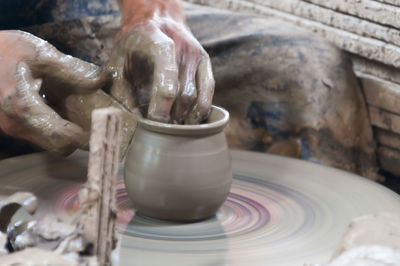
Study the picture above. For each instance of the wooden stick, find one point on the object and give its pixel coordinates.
(98, 197)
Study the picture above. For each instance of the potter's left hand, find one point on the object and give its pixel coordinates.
(31, 69)
(158, 64)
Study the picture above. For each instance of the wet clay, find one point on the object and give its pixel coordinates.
(90, 237)
(27, 64)
(10, 205)
(169, 75)
(37, 256)
(180, 83)
(370, 240)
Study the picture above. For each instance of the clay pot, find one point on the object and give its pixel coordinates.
(179, 172)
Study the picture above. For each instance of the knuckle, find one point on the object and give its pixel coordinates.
(7, 104)
(212, 88)
(204, 55)
(208, 86)
(165, 44)
(169, 43)
(168, 94)
(188, 99)
(194, 50)
(203, 108)
(211, 83)
(166, 51)
(189, 95)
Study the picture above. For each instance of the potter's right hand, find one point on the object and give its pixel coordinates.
(158, 64)
(29, 65)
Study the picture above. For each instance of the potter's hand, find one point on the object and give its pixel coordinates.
(159, 65)
(29, 66)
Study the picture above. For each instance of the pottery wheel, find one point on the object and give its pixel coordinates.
(280, 211)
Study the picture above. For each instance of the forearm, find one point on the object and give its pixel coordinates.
(136, 12)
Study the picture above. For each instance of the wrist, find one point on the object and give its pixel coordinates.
(139, 12)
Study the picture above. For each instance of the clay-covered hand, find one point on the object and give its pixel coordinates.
(159, 66)
(29, 68)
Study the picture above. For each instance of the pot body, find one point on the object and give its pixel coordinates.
(178, 177)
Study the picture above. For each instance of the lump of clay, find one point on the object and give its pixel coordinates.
(79, 107)
(21, 235)
(36, 256)
(370, 240)
(368, 256)
(3, 243)
(381, 229)
(10, 205)
(53, 228)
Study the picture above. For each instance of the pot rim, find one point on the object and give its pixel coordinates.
(201, 129)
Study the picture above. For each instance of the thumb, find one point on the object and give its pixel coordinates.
(31, 119)
(67, 72)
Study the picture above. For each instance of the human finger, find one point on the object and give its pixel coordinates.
(187, 89)
(205, 84)
(129, 65)
(67, 72)
(55, 67)
(165, 80)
